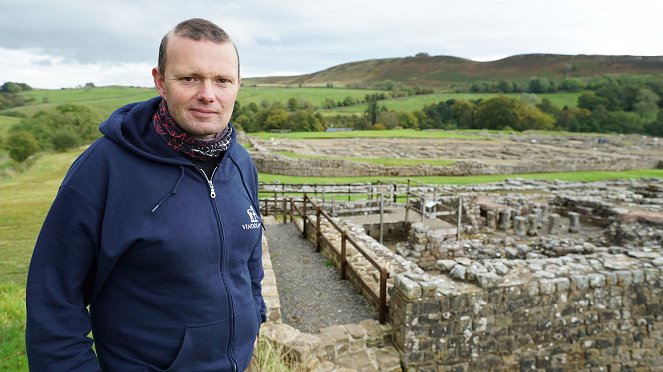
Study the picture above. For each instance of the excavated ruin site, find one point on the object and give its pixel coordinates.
(516, 275)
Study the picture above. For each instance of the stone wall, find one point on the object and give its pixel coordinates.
(577, 322)
(278, 164)
(548, 292)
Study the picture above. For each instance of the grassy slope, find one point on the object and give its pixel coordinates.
(25, 200)
(5, 123)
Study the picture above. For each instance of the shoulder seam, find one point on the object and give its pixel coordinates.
(83, 198)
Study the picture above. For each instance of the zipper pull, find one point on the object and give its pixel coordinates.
(212, 193)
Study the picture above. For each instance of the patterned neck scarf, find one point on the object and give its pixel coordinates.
(181, 141)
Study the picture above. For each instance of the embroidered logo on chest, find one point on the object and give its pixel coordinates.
(255, 221)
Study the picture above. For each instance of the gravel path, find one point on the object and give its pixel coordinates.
(311, 293)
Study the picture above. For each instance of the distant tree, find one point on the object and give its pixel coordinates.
(504, 86)
(547, 107)
(646, 104)
(328, 103)
(574, 119)
(439, 114)
(505, 112)
(12, 87)
(497, 113)
(463, 113)
(21, 145)
(655, 128)
(292, 104)
(306, 120)
(277, 118)
(349, 101)
(408, 120)
(572, 84)
(530, 117)
(373, 108)
(388, 118)
(539, 85)
(618, 122)
(590, 101)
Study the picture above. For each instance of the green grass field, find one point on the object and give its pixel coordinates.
(466, 180)
(106, 99)
(413, 103)
(315, 96)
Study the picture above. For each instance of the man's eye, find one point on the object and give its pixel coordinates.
(188, 79)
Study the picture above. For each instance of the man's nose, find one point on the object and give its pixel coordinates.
(206, 91)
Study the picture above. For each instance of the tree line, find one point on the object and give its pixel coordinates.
(613, 106)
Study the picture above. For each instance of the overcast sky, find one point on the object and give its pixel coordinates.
(66, 43)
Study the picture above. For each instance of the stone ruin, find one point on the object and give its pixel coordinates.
(547, 275)
(502, 154)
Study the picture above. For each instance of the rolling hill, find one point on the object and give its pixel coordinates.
(445, 71)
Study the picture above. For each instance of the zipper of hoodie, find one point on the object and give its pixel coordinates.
(212, 194)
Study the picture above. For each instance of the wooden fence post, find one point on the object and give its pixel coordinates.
(318, 234)
(292, 210)
(382, 312)
(344, 261)
(284, 210)
(305, 220)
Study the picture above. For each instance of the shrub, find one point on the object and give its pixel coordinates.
(21, 145)
(64, 139)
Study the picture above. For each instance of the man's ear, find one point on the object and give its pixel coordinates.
(159, 83)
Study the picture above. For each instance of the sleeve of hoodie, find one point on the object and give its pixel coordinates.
(255, 260)
(59, 284)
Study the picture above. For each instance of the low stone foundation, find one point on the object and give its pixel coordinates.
(517, 154)
(606, 318)
(570, 278)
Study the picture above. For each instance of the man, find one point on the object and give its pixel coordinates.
(156, 227)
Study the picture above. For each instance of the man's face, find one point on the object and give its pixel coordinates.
(200, 83)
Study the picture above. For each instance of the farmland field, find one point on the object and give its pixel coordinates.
(105, 99)
(412, 103)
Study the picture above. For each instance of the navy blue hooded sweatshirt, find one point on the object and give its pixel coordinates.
(168, 260)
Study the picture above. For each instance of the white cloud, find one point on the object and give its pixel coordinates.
(40, 70)
(116, 41)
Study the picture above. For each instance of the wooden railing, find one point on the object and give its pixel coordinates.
(434, 212)
(379, 298)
